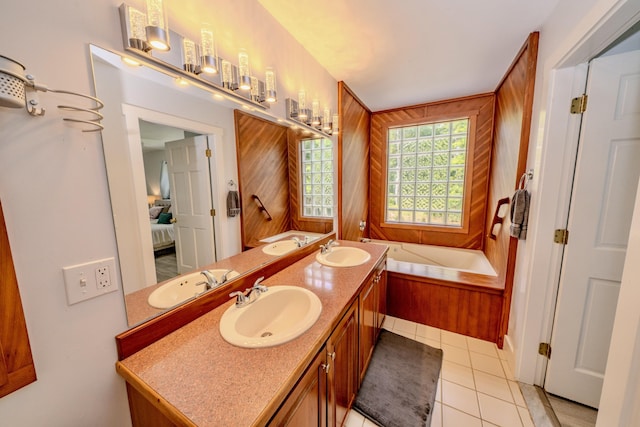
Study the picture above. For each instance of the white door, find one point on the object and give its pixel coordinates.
(605, 183)
(191, 202)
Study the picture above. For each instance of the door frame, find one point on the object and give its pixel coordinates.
(539, 261)
(130, 206)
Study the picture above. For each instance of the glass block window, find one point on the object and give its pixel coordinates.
(317, 177)
(426, 167)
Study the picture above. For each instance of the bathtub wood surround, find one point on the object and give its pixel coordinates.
(139, 337)
(514, 105)
(16, 362)
(353, 165)
(480, 109)
(229, 385)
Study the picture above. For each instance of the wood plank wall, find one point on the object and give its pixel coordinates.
(353, 164)
(16, 362)
(263, 170)
(481, 106)
(514, 104)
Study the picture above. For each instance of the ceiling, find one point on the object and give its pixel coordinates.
(395, 53)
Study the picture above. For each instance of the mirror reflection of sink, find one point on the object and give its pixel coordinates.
(343, 256)
(279, 248)
(276, 317)
(184, 287)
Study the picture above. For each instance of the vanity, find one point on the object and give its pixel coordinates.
(193, 377)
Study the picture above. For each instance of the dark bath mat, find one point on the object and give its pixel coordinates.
(399, 388)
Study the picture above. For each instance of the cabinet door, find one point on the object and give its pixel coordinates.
(382, 295)
(368, 324)
(343, 375)
(306, 406)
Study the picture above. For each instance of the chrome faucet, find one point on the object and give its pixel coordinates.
(300, 243)
(326, 248)
(211, 282)
(252, 294)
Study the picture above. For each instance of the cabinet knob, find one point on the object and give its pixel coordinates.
(326, 367)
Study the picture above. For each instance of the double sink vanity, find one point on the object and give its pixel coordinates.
(290, 349)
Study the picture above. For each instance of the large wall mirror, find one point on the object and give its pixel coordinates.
(173, 154)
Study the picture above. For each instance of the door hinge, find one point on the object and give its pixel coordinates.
(207, 152)
(545, 349)
(579, 104)
(561, 236)
(213, 212)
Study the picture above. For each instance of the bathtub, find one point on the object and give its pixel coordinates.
(466, 260)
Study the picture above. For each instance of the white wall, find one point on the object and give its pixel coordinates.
(576, 31)
(54, 194)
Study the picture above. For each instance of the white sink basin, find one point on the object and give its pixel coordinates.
(184, 287)
(279, 248)
(343, 256)
(277, 316)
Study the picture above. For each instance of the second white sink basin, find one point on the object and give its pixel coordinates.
(277, 316)
(279, 248)
(343, 256)
(184, 287)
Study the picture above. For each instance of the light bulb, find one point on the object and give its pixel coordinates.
(270, 83)
(209, 60)
(157, 30)
(243, 70)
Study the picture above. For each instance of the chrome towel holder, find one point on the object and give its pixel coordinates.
(18, 90)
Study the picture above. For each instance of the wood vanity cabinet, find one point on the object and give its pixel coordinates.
(373, 303)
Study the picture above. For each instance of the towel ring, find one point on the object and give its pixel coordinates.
(524, 179)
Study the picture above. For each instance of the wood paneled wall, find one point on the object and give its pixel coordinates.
(480, 106)
(353, 164)
(16, 363)
(263, 170)
(514, 103)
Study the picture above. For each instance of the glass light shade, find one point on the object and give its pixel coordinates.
(255, 88)
(189, 56)
(334, 123)
(157, 31)
(326, 119)
(270, 85)
(226, 73)
(209, 60)
(302, 104)
(315, 112)
(137, 24)
(243, 70)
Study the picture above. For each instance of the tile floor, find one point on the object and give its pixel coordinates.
(476, 387)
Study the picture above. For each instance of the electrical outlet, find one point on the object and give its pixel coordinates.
(89, 280)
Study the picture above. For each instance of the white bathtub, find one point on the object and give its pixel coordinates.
(467, 260)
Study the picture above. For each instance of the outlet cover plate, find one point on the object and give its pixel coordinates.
(89, 280)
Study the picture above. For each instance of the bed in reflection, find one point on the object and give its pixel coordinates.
(160, 217)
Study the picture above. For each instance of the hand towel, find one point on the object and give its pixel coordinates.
(233, 203)
(519, 214)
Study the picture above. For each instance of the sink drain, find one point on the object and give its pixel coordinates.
(266, 334)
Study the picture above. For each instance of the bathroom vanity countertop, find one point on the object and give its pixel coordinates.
(139, 310)
(202, 380)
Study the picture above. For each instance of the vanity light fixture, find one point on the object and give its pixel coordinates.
(227, 78)
(157, 29)
(270, 84)
(302, 106)
(243, 70)
(209, 60)
(257, 90)
(326, 119)
(315, 113)
(334, 124)
(190, 56)
(138, 23)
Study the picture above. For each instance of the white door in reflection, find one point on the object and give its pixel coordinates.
(189, 162)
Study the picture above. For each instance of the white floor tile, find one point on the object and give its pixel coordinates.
(354, 419)
(487, 364)
(454, 339)
(517, 394)
(498, 411)
(401, 326)
(436, 417)
(429, 342)
(502, 354)
(388, 322)
(368, 423)
(455, 373)
(525, 417)
(507, 370)
(488, 424)
(439, 391)
(451, 417)
(492, 385)
(483, 347)
(461, 398)
(428, 332)
(456, 355)
(405, 334)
